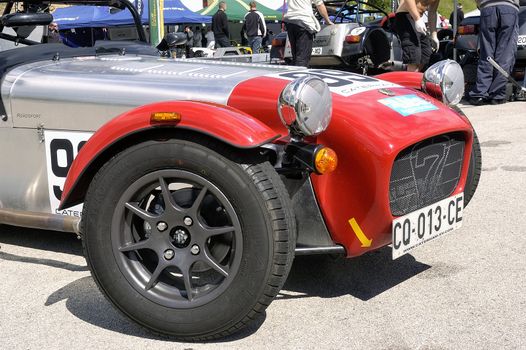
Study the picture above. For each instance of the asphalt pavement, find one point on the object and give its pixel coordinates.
(465, 290)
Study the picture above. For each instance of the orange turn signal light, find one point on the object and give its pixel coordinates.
(165, 117)
(352, 39)
(325, 160)
(278, 42)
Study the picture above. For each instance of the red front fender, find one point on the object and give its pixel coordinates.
(224, 123)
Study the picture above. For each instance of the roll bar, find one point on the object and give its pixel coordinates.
(121, 4)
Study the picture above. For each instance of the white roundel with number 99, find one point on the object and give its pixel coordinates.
(61, 149)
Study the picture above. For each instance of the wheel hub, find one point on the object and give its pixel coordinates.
(189, 244)
(180, 237)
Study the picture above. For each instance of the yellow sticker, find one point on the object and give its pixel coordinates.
(366, 242)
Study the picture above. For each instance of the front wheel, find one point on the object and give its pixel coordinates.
(185, 241)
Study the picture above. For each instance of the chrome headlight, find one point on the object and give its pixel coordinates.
(445, 81)
(305, 106)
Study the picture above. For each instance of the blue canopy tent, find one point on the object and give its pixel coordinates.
(175, 12)
(100, 16)
(79, 16)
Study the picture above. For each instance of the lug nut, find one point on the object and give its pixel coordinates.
(169, 254)
(195, 249)
(147, 229)
(162, 226)
(188, 221)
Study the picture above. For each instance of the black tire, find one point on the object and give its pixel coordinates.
(255, 254)
(474, 170)
(444, 34)
(470, 77)
(448, 50)
(509, 92)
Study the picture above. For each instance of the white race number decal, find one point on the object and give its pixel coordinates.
(358, 31)
(61, 149)
(521, 41)
(339, 82)
(316, 51)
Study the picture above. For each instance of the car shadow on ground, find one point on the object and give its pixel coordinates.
(85, 301)
(60, 242)
(40, 261)
(363, 277)
(82, 296)
(311, 276)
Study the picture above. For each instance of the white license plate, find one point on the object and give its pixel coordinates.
(316, 50)
(521, 40)
(423, 225)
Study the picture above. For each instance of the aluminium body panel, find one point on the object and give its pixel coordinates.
(23, 171)
(85, 92)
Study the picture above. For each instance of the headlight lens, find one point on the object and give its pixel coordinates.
(305, 106)
(444, 80)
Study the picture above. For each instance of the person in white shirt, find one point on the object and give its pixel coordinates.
(302, 25)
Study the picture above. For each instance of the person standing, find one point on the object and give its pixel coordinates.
(417, 45)
(255, 27)
(210, 39)
(499, 31)
(220, 26)
(460, 15)
(189, 42)
(198, 37)
(53, 36)
(301, 26)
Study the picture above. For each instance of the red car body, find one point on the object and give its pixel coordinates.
(358, 188)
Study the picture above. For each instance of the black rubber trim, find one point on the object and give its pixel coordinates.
(336, 249)
(64, 203)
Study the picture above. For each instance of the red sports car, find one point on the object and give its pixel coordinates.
(193, 184)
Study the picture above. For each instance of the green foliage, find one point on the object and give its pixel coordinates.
(444, 8)
(384, 4)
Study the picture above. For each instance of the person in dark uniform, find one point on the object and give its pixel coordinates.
(460, 15)
(53, 35)
(499, 30)
(220, 26)
(189, 41)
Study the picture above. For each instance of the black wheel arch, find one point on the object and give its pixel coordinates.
(474, 170)
(230, 151)
(475, 163)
